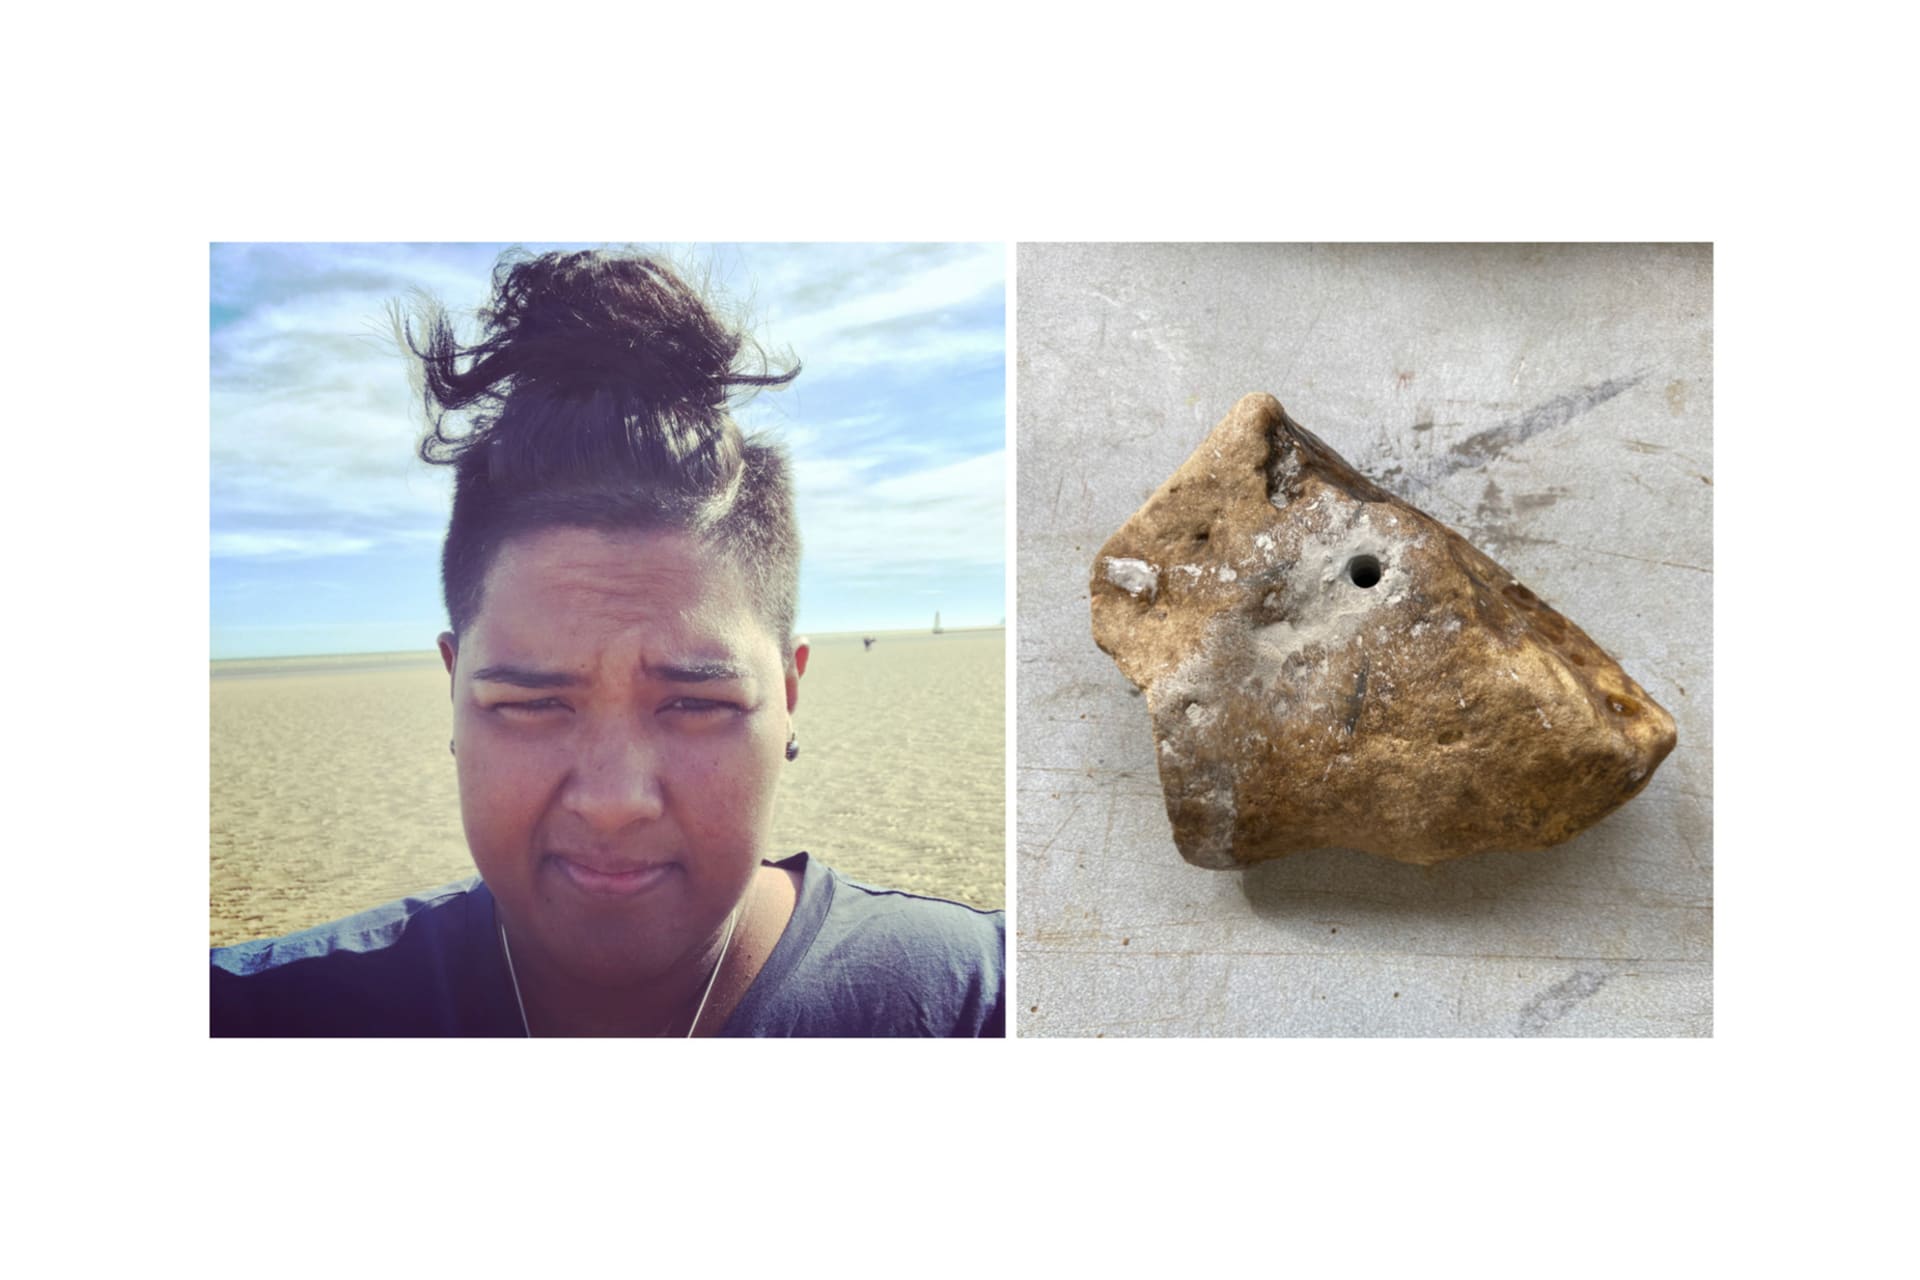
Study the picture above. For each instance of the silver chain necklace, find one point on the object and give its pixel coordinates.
(699, 1009)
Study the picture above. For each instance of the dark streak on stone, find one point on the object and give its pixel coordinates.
(1558, 1000)
(1357, 699)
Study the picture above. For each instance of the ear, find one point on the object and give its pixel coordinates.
(795, 670)
(449, 651)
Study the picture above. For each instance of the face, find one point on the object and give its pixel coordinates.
(620, 721)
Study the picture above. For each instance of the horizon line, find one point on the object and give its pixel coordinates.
(798, 635)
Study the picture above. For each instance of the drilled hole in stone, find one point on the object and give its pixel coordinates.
(1363, 571)
(1449, 737)
(1200, 536)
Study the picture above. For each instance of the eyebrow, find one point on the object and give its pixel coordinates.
(526, 677)
(697, 672)
(678, 673)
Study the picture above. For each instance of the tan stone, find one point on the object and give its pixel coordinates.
(1327, 666)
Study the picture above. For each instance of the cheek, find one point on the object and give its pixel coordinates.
(503, 792)
(724, 791)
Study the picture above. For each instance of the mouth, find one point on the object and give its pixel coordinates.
(612, 879)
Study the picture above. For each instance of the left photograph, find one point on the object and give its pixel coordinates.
(607, 640)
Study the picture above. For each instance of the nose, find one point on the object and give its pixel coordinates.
(616, 778)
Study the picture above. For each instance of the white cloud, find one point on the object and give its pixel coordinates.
(287, 546)
(952, 514)
(900, 317)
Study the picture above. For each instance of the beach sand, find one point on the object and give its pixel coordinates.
(333, 790)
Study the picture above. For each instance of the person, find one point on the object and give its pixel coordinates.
(620, 572)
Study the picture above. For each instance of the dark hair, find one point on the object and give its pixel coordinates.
(599, 398)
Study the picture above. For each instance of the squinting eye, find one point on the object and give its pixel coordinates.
(700, 707)
(530, 708)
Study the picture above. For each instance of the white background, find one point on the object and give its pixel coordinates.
(136, 140)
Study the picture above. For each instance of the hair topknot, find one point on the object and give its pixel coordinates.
(589, 361)
(598, 396)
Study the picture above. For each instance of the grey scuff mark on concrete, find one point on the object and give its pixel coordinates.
(1483, 446)
(1557, 1001)
(1527, 502)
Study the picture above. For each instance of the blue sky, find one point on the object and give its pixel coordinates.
(325, 527)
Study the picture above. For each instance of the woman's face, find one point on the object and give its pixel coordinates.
(620, 719)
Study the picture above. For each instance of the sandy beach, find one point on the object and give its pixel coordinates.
(333, 791)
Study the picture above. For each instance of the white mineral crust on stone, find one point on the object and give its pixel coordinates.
(1135, 577)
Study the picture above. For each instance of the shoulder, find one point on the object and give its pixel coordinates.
(884, 924)
(379, 971)
(369, 932)
(864, 961)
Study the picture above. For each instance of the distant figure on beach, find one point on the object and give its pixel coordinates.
(867, 641)
(936, 622)
(620, 572)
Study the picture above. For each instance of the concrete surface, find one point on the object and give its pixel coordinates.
(1554, 405)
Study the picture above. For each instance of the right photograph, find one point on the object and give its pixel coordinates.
(1365, 647)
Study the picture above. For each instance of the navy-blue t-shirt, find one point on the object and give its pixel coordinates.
(854, 961)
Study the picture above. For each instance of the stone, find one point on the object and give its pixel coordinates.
(1327, 666)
